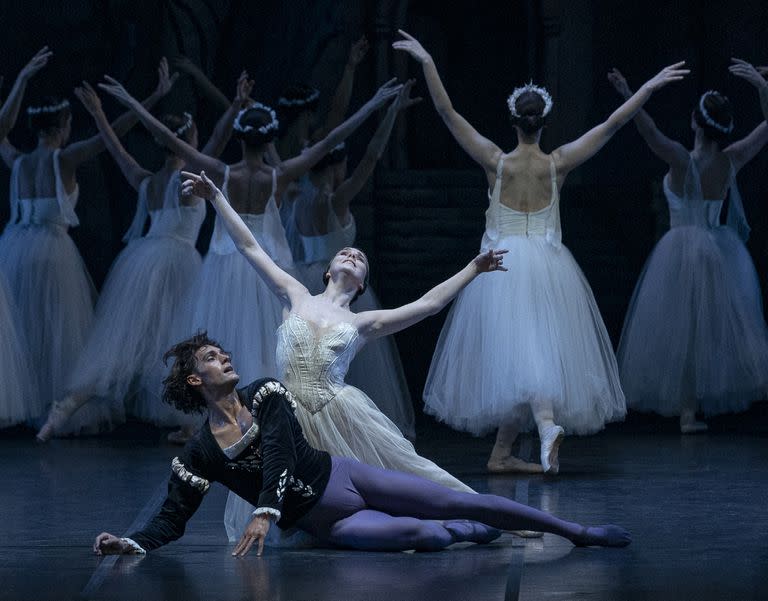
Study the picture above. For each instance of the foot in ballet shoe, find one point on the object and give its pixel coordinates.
(468, 531)
(527, 533)
(608, 535)
(551, 438)
(57, 417)
(692, 427)
(506, 465)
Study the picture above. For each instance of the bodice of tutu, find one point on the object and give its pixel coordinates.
(182, 223)
(313, 361)
(685, 212)
(41, 211)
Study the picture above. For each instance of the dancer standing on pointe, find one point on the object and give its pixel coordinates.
(148, 281)
(533, 339)
(694, 337)
(253, 444)
(18, 387)
(323, 225)
(47, 276)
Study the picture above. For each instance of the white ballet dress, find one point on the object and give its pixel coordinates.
(530, 335)
(141, 295)
(51, 287)
(694, 333)
(335, 417)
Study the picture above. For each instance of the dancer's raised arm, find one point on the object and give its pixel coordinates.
(480, 148)
(10, 110)
(573, 154)
(282, 284)
(293, 168)
(673, 153)
(744, 150)
(222, 132)
(373, 324)
(205, 85)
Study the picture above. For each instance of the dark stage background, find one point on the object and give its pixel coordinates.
(422, 217)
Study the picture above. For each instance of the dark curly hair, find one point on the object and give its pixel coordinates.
(327, 277)
(176, 391)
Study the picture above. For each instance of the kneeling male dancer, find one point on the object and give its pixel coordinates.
(253, 444)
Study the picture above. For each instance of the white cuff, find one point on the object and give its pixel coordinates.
(136, 548)
(269, 511)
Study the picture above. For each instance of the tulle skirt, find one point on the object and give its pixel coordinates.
(142, 295)
(54, 296)
(17, 393)
(376, 369)
(526, 338)
(694, 331)
(352, 426)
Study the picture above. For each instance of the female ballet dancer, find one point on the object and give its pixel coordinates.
(253, 187)
(533, 338)
(18, 389)
(324, 225)
(148, 281)
(694, 336)
(47, 276)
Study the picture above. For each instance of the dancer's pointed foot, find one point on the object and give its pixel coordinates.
(551, 438)
(690, 425)
(470, 531)
(57, 417)
(527, 533)
(607, 535)
(511, 464)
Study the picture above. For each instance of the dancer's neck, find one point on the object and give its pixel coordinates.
(223, 408)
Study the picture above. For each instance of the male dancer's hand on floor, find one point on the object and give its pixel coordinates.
(255, 531)
(109, 544)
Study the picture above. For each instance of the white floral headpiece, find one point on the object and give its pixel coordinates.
(274, 124)
(726, 129)
(185, 127)
(529, 87)
(52, 108)
(283, 101)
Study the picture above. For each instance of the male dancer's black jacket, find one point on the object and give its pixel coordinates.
(276, 470)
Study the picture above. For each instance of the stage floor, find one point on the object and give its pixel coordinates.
(696, 507)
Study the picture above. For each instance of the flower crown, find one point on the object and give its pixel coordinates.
(726, 129)
(314, 95)
(274, 124)
(186, 126)
(51, 108)
(529, 87)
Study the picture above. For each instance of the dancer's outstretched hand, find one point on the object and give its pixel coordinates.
(358, 51)
(90, 99)
(386, 92)
(116, 89)
(243, 90)
(37, 62)
(667, 75)
(109, 544)
(256, 531)
(165, 80)
(404, 100)
(198, 185)
(412, 46)
(493, 260)
(745, 70)
(619, 83)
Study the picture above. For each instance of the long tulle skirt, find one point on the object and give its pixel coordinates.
(694, 332)
(54, 296)
(529, 337)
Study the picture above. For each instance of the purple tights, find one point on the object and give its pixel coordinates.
(370, 508)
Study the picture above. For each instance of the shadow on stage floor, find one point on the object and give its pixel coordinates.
(695, 506)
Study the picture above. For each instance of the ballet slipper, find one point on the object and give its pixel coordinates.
(57, 417)
(551, 438)
(511, 464)
(690, 425)
(527, 533)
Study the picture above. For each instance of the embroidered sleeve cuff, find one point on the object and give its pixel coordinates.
(136, 548)
(267, 511)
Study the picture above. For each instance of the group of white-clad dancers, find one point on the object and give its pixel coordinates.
(523, 346)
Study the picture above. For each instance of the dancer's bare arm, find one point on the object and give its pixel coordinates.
(222, 132)
(480, 148)
(744, 150)
(573, 154)
(8, 152)
(373, 324)
(282, 284)
(294, 168)
(350, 187)
(78, 152)
(668, 150)
(12, 105)
(205, 85)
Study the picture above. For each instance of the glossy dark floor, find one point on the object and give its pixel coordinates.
(696, 507)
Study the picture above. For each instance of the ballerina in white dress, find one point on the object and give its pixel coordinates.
(694, 337)
(323, 225)
(147, 283)
(18, 388)
(531, 341)
(47, 276)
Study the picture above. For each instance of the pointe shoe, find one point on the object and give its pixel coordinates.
(57, 417)
(527, 533)
(694, 427)
(550, 446)
(512, 464)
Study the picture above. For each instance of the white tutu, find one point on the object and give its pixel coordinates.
(18, 390)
